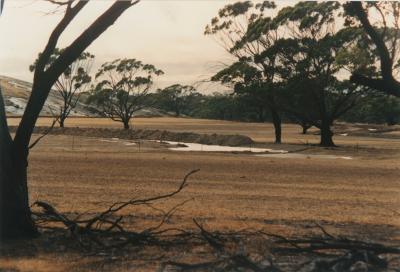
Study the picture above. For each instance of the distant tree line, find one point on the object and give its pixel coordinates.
(375, 108)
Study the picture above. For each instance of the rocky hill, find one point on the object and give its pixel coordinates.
(16, 94)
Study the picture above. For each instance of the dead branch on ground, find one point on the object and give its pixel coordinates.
(105, 230)
(230, 254)
(327, 252)
(335, 253)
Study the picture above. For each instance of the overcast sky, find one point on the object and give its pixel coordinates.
(166, 33)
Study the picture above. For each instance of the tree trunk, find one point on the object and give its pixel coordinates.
(61, 121)
(15, 214)
(305, 126)
(276, 119)
(126, 124)
(326, 135)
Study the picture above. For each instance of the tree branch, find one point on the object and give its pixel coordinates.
(43, 81)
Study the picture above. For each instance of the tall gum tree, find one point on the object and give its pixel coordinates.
(308, 62)
(244, 31)
(15, 214)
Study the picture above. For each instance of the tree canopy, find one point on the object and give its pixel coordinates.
(71, 83)
(123, 87)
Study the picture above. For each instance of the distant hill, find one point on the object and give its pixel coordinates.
(16, 94)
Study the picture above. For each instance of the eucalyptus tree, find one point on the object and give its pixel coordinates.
(71, 83)
(244, 30)
(177, 98)
(381, 22)
(15, 213)
(308, 60)
(123, 88)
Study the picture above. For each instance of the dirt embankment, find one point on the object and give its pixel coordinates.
(367, 130)
(159, 135)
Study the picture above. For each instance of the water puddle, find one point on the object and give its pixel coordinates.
(108, 141)
(128, 143)
(268, 152)
(117, 140)
(303, 156)
(219, 148)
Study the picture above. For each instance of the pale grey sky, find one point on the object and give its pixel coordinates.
(166, 33)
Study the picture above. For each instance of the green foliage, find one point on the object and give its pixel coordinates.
(237, 74)
(223, 107)
(75, 76)
(375, 109)
(294, 61)
(248, 34)
(311, 16)
(177, 98)
(122, 88)
(126, 76)
(71, 83)
(302, 69)
(311, 60)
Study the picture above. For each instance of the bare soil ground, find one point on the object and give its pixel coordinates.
(356, 198)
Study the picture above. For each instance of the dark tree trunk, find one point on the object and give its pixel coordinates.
(305, 126)
(326, 135)
(61, 121)
(126, 124)
(15, 214)
(276, 119)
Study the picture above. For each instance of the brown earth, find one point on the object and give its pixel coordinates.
(147, 134)
(356, 198)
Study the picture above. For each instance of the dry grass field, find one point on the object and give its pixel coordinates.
(358, 197)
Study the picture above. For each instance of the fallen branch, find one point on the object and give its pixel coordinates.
(105, 230)
(335, 253)
(225, 259)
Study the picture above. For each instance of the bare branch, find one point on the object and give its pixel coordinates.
(44, 133)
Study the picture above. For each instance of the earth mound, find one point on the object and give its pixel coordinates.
(158, 135)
